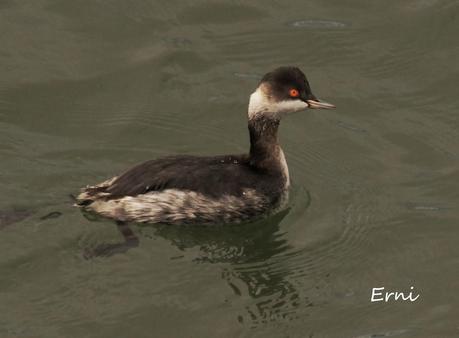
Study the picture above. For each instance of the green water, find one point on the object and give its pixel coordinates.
(88, 88)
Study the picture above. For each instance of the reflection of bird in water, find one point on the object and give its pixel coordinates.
(244, 253)
(251, 275)
(235, 244)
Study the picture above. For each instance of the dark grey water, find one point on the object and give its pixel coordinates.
(88, 88)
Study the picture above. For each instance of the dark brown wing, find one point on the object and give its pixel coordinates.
(212, 176)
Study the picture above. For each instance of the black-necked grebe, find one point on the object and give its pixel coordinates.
(216, 189)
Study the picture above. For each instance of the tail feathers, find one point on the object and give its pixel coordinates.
(92, 193)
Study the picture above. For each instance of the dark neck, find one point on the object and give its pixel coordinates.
(264, 146)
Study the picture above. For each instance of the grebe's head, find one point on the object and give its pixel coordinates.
(282, 91)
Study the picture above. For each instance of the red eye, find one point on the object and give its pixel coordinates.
(294, 93)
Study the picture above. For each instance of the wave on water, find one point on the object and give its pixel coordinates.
(318, 24)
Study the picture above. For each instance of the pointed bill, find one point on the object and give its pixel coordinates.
(316, 104)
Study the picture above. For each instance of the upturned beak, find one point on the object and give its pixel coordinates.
(316, 104)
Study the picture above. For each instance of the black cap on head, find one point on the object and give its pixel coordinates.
(283, 80)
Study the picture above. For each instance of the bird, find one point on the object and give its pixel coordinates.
(212, 190)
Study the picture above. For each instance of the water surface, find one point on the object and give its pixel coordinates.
(88, 88)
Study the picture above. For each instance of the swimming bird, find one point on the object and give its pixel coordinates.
(220, 189)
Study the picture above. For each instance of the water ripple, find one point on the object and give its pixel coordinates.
(318, 24)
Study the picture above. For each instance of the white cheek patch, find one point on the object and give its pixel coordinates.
(258, 104)
(261, 104)
(289, 106)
